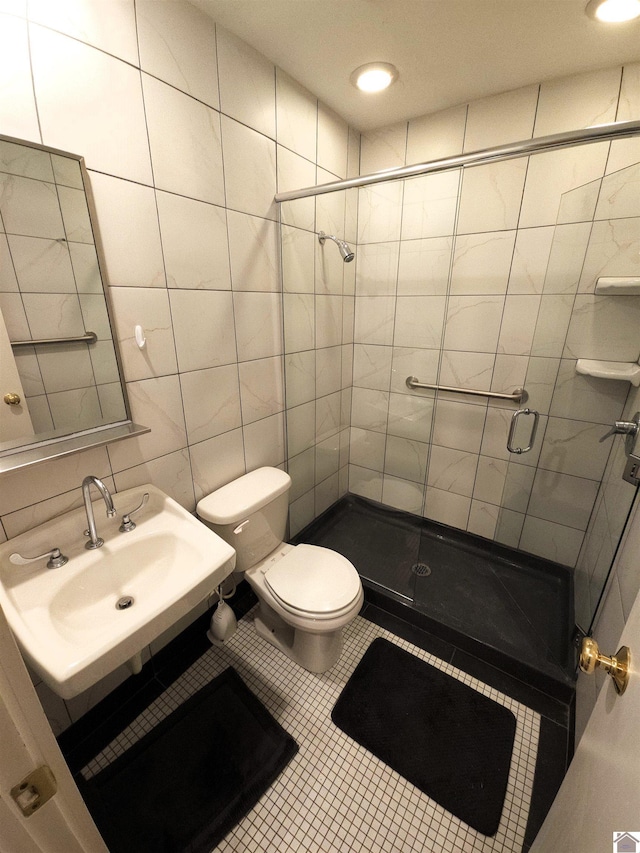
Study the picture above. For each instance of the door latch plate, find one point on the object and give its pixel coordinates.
(34, 790)
(631, 471)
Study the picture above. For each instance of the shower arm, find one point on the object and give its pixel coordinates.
(322, 237)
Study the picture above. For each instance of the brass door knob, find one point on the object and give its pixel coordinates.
(12, 399)
(617, 667)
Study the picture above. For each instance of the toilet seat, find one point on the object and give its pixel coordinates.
(310, 580)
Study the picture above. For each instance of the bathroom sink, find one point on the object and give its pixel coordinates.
(77, 623)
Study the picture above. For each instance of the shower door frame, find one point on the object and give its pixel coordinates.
(509, 151)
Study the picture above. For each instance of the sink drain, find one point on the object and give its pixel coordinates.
(124, 603)
(421, 569)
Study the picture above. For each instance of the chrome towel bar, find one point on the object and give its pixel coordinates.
(519, 395)
(88, 338)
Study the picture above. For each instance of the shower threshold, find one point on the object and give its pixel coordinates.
(508, 608)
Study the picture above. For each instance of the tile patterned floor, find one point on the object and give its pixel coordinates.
(334, 795)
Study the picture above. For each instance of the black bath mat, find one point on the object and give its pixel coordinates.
(189, 781)
(448, 740)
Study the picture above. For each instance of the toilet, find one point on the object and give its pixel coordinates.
(307, 594)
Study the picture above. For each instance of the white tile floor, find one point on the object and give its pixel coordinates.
(334, 796)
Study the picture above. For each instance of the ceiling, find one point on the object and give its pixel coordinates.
(447, 51)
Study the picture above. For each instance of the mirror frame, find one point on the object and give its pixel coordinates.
(50, 446)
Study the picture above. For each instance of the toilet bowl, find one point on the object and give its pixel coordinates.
(307, 594)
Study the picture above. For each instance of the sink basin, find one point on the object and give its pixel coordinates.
(66, 620)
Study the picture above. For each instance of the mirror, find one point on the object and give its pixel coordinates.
(61, 384)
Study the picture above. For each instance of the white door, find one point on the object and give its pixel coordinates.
(15, 421)
(600, 794)
(63, 824)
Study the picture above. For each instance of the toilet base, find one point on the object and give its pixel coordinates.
(314, 652)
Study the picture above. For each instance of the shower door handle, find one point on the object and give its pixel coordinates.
(512, 430)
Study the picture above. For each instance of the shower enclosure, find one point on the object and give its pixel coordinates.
(473, 274)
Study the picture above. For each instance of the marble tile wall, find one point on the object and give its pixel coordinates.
(485, 278)
(187, 133)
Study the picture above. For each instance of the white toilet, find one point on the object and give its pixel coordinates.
(307, 594)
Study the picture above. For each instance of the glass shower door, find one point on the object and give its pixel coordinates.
(565, 499)
(562, 501)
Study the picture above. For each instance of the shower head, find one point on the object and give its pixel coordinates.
(344, 248)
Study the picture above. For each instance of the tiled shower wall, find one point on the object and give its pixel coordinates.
(187, 134)
(484, 278)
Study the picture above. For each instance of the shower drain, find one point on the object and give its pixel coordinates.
(421, 569)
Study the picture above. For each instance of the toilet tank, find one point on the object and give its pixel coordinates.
(249, 513)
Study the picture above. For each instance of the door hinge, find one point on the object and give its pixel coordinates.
(34, 790)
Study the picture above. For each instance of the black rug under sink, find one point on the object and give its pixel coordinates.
(448, 740)
(189, 781)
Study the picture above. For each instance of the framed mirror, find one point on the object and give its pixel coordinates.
(61, 381)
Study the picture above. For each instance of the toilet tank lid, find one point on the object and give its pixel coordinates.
(235, 501)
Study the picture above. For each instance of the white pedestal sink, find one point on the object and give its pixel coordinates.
(67, 621)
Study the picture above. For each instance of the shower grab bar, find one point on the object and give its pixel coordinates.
(512, 430)
(88, 337)
(519, 395)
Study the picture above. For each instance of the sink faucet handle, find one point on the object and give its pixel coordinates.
(128, 525)
(56, 559)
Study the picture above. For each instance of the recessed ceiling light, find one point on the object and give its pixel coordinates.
(613, 11)
(374, 76)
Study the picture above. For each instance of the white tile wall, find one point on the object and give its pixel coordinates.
(112, 29)
(579, 101)
(627, 151)
(249, 169)
(491, 196)
(177, 123)
(247, 84)
(296, 116)
(179, 46)
(91, 104)
(432, 137)
(429, 205)
(18, 112)
(333, 141)
(194, 242)
(133, 255)
(614, 249)
(500, 119)
(481, 263)
(552, 174)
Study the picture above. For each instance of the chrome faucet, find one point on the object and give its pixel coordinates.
(94, 540)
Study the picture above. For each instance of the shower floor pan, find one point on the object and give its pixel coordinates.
(509, 608)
